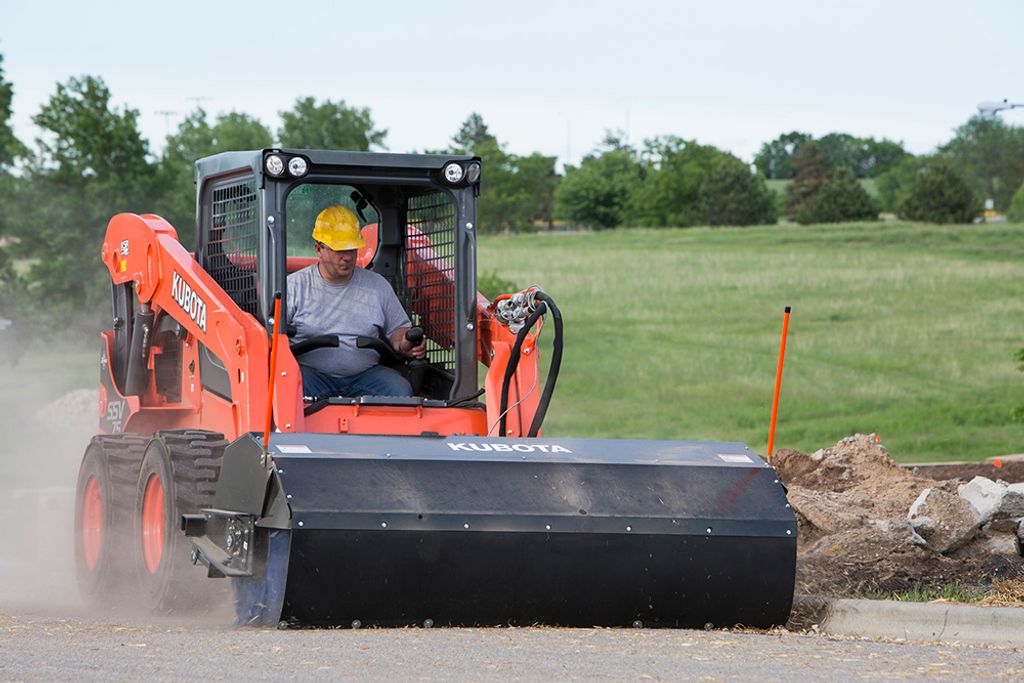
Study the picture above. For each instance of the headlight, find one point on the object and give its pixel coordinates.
(274, 165)
(297, 166)
(473, 172)
(453, 172)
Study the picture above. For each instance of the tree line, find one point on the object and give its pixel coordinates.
(91, 161)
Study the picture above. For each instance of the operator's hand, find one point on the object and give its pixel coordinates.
(405, 347)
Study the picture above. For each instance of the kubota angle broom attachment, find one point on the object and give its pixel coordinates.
(371, 530)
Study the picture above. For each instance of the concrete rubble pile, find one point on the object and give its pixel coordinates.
(868, 524)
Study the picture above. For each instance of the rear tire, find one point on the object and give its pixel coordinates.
(103, 508)
(178, 476)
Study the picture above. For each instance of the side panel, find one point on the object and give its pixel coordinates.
(406, 420)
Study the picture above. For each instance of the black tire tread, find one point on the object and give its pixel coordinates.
(196, 457)
(124, 453)
(119, 456)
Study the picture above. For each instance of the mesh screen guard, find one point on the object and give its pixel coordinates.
(232, 241)
(430, 275)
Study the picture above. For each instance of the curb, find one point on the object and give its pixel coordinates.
(928, 621)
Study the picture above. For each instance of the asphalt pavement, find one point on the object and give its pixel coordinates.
(47, 646)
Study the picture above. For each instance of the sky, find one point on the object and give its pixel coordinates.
(547, 76)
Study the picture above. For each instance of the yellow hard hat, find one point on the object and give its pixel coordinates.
(338, 228)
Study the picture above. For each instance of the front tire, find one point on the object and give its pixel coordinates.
(178, 476)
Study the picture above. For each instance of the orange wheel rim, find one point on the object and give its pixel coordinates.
(92, 523)
(153, 523)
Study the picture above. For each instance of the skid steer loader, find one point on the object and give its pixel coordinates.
(447, 507)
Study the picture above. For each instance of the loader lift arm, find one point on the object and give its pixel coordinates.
(144, 252)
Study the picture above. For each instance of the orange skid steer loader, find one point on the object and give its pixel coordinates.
(446, 507)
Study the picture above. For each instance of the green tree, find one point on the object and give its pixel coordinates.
(91, 163)
(472, 134)
(894, 183)
(841, 150)
(503, 201)
(674, 171)
(989, 154)
(10, 147)
(866, 157)
(841, 198)
(195, 139)
(774, 160)
(501, 196)
(732, 195)
(330, 125)
(515, 191)
(880, 156)
(1016, 212)
(538, 180)
(598, 192)
(810, 171)
(939, 194)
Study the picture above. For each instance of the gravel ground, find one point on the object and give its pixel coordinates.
(39, 646)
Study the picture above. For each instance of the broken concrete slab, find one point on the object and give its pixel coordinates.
(985, 495)
(944, 520)
(1013, 502)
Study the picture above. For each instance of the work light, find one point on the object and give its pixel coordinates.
(274, 165)
(453, 172)
(297, 166)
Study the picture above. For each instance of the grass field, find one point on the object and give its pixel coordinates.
(900, 329)
(779, 186)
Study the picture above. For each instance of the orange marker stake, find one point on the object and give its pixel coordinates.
(778, 382)
(273, 373)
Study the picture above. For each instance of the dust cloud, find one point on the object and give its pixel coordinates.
(45, 428)
(43, 434)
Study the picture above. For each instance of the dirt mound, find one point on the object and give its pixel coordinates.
(867, 524)
(74, 411)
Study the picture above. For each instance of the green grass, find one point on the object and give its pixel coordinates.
(901, 329)
(779, 186)
(953, 592)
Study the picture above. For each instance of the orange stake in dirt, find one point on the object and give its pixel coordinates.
(778, 383)
(273, 373)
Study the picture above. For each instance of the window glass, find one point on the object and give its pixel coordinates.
(306, 201)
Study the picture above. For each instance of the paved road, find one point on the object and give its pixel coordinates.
(36, 645)
(45, 636)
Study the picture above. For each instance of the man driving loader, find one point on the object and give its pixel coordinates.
(334, 296)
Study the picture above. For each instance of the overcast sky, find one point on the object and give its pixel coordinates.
(547, 76)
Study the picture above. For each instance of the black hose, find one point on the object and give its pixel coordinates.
(137, 376)
(556, 364)
(513, 362)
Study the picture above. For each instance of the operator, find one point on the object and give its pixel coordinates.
(335, 296)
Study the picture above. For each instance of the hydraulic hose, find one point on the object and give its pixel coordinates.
(137, 376)
(556, 364)
(513, 361)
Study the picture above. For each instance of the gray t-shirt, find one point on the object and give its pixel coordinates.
(365, 305)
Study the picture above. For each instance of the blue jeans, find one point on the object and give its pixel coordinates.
(376, 380)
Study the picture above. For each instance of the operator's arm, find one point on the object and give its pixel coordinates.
(403, 346)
